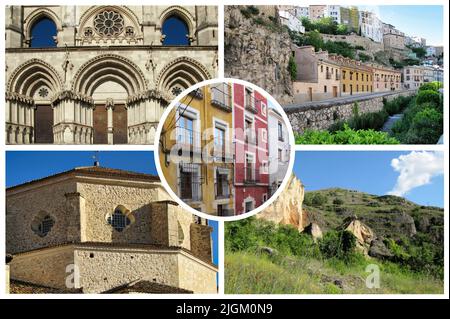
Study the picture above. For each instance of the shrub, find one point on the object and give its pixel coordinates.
(426, 128)
(338, 201)
(345, 136)
(315, 199)
(337, 244)
(434, 86)
(292, 68)
(364, 57)
(428, 96)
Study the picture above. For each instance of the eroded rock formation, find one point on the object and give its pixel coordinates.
(287, 209)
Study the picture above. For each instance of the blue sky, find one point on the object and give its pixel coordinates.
(23, 166)
(366, 171)
(425, 21)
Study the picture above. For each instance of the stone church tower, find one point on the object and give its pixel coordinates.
(97, 229)
(101, 74)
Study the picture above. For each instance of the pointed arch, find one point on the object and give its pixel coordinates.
(109, 67)
(31, 75)
(38, 14)
(183, 72)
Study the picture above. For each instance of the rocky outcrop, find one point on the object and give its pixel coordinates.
(379, 250)
(314, 231)
(287, 209)
(364, 235)
(257, 50)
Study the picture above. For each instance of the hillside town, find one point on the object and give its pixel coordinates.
(338, 69)
(322, 75)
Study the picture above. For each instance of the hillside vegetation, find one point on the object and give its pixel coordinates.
(262, 257)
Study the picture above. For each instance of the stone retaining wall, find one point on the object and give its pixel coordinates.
(321, 115)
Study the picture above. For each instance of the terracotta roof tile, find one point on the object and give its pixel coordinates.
(95, 171)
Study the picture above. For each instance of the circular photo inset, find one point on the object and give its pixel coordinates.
(225, 149)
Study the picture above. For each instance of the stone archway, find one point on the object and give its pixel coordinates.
(110, 81)
(29, 92)
(181, 74)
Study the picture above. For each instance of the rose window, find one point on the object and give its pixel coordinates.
(43, 92)
(109, 23)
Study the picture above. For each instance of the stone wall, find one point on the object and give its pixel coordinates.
(321, 115)
(102, 269)
(45, 267)
(80, 210)
(196, 276)
(257, 54)
(370, 46)
(23, 207)
(201, 241)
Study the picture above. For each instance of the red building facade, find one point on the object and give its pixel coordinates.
(250, 119)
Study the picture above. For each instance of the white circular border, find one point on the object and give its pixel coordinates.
(175, 196)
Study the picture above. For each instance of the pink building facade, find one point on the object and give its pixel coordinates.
(251, 178)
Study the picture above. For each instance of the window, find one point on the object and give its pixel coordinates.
(321, 69)
(280, 155)
(186, 132)
(219, 142)
(280, 132)
(343, 88)
(325, 89)
(175, 31)
(264, 198)
(42, 224)
(189, 181)
(109, 23)
(222, 189)
(249, 100)
(43, 34)
(263, 108)
(119, 220)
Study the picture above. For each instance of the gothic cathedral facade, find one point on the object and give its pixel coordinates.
(101, 74)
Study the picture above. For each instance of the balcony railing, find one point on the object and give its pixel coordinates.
(328, 75)
(251, 176)
(222, 190)
(338, 76)
(190, 182)
(251, 138)
(251, 108)
(226, 212)
(188, 138)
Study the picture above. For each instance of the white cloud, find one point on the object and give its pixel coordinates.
(416, 169)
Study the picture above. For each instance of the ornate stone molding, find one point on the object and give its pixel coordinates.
(21, 69)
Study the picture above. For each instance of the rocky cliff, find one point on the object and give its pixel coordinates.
(257, 49)
(287, 209)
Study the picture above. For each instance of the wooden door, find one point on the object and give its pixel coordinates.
(43, 124)
(100, 125)
(120, 125)
(335, 94)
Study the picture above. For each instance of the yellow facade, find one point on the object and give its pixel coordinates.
(196, 150)
(356, 78)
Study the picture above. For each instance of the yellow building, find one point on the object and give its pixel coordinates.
(356, 78)
(196, 150)
(386, 79)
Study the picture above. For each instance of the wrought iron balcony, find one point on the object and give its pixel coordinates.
(251, 176)
(251, 107)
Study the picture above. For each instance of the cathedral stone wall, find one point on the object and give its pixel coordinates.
(23, 207)
(101, 269)
(43, 267)
(196, 276)
(99, 87)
